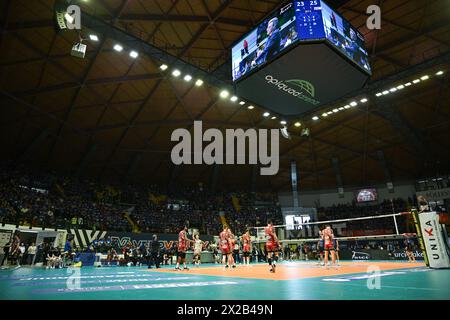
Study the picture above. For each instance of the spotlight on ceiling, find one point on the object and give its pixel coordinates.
(199, 83)
(187, 78)
(425, 77)
(164, 67)
(440, 73)
(134, 54)
(118, 48)
(93, 37)
(224, 94)
(78, 50)
(266, 114)
(283, 123)
(250, 107)
(242, 103)
(234, 99)
(69, 18)
(176, 73)
(353, 104)
(315, 118)
(298, 124)
(364, 100)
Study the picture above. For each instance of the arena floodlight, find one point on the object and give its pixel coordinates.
(134, 54)
(187, 78)
(266, 114)
(379, 94)
(330, 113)
(440, 73)
(234, 99)
(364, 100)
(425, 77)
(164, 67)
(69, 18)
(251, 107)
(283, 123)
(347, 107)
(274, 118)
(118, 48)
(199, 83)
(315, 118)
(393, 90)
(242, 103)
(335, 110)
(298, 124)
(224, 94)
(386, 92)
(341, 109)
(416, 81)
(408, 84)
(324, 115)
(93, 37)
(353, 104)
(401, 87)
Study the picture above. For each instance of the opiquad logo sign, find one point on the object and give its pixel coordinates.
(300, 89)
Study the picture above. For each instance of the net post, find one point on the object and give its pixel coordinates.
(415, 216)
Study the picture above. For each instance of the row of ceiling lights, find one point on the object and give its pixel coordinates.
(117, 47)
(407, 84)
(379, 94)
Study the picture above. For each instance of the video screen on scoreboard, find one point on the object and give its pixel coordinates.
(366, 195)
(263, 44)
(344, 37)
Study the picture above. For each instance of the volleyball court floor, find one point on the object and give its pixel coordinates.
(292, 281)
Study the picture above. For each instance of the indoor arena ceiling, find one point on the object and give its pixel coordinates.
(111, 117)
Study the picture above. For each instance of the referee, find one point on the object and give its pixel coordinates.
(154, 252)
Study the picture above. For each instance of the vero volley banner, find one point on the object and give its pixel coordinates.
(83, 238)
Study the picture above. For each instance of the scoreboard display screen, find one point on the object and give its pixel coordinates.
(344, 37)
(295, 22)
(263, 44)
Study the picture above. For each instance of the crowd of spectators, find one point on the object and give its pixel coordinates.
(52, 201)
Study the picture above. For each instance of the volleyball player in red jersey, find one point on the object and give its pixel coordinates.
(182, 248)
(272, 246)
(247, 248)
(231, 243)
(225, 246)
(328, 237)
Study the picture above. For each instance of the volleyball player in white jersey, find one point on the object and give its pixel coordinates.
(198, 248)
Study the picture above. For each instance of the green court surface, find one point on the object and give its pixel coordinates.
(122, 283)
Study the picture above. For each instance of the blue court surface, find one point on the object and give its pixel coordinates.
(293, 281)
